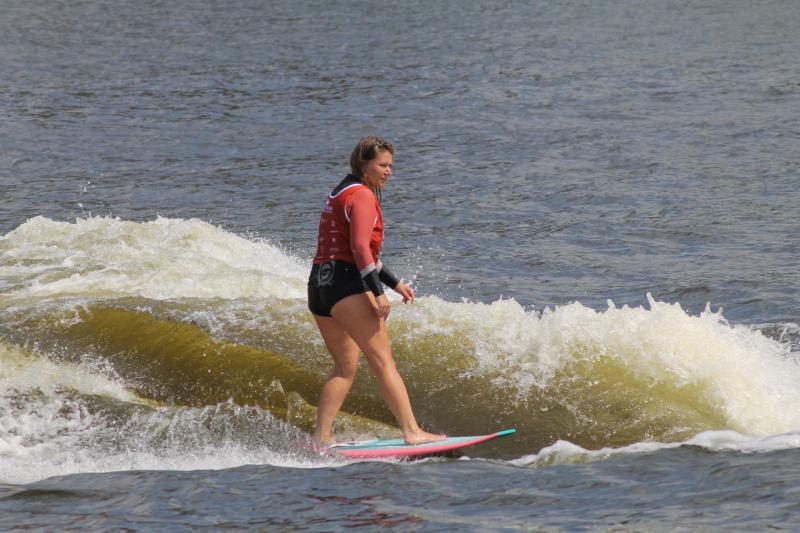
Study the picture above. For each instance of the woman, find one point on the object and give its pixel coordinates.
(345, 291)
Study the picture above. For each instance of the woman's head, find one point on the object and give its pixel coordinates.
(370, 149)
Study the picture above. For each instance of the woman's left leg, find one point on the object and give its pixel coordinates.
(356, 314)
(345, 353)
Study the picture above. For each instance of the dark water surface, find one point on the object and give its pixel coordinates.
(598, 202)
(681, 490)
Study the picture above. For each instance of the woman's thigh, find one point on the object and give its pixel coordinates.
(356, 314)
(340, 344)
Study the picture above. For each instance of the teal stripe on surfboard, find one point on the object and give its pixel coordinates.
(400, 443)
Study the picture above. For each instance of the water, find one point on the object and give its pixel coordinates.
(597, 203)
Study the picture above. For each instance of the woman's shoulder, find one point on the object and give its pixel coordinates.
(363, 199)
(362, 193)
(350, 183)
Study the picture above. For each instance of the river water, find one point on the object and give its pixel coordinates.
(597, 203)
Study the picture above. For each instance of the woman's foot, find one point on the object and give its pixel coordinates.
(422, 437)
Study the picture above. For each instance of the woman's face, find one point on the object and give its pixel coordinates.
(377, 171)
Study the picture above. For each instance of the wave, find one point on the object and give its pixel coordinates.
(105, 257)
(173, 320)
(657, 360)
(58, 418)
(565, 452)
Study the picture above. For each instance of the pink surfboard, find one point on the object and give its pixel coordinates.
(384, 448)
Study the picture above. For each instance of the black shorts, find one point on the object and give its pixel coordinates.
(330, 282)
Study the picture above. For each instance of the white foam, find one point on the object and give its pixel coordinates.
(38, 417)
(753, 380)
(49, 427)
(565, 452)
(67, 456)
(21, 370)
(161, 259)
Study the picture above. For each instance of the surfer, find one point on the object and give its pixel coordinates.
(345, 291)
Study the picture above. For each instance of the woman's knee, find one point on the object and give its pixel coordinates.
(380, 361)
(345, 370)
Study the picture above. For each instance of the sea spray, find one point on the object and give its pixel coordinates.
(66, 418)
(732, 369)
(565, 452)
(161, 259)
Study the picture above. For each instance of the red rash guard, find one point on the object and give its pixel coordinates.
(351, 228)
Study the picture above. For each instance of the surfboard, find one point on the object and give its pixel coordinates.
(385, 448)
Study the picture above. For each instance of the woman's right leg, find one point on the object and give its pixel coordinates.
(356, 314)
(344, 352)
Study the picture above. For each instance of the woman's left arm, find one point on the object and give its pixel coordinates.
(390, 280)
(406, 292)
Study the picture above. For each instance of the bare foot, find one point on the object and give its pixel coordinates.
(422, 437)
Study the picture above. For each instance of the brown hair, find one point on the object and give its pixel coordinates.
(367, 149)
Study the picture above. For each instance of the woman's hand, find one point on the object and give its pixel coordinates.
(406, 292)
(382, 306)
